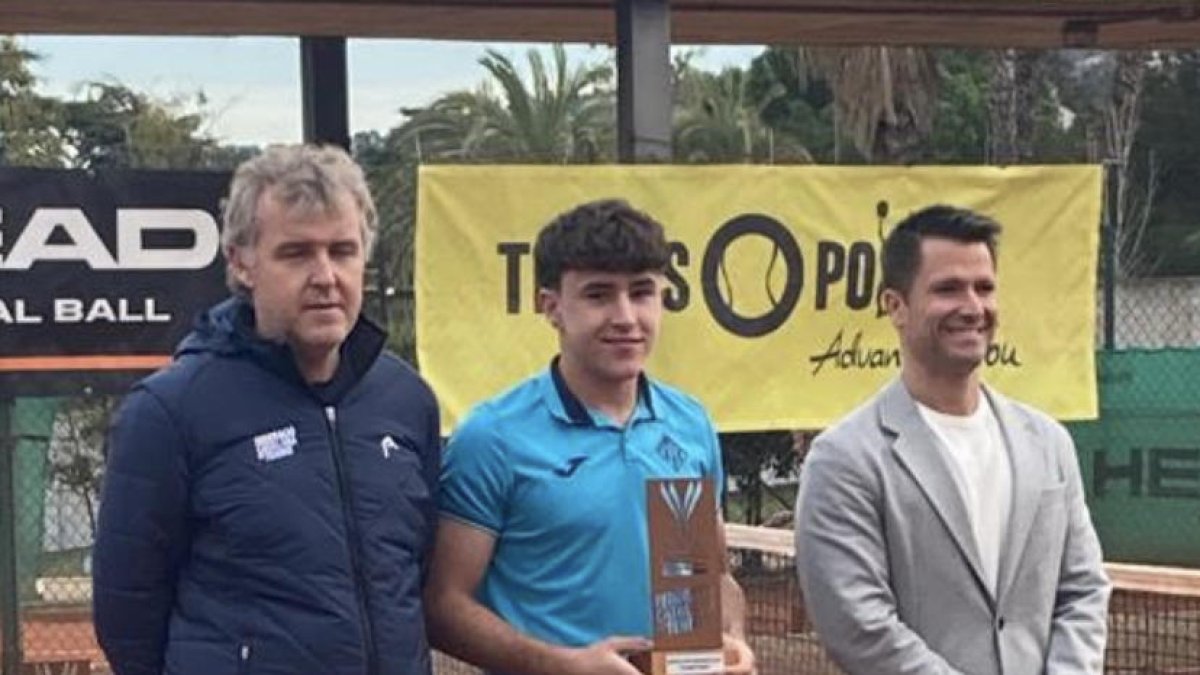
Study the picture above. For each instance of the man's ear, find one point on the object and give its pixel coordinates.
(239, 262)
(894, 306)
(548, 303)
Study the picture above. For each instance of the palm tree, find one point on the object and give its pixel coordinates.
(793, 99)
(716, 120)
(557, 114)
(561, 114)
(885, 98)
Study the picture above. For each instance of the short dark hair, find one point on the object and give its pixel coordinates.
(607, 235)
(902, 248)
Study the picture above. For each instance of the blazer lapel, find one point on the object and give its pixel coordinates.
(1024, 458)
(920, 453)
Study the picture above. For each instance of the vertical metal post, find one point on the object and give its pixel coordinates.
(10, 608)
(1109, 247)
(643, 80)
(324, 90)
(325, 93)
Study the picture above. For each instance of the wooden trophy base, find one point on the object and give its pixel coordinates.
(691, 662)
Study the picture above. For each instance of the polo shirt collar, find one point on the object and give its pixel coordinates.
(564, 405)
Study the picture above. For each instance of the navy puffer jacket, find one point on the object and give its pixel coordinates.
(252, 523)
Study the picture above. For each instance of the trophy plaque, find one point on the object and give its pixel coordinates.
(686, 566)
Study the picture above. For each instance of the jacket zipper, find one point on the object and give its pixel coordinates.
(346, 498)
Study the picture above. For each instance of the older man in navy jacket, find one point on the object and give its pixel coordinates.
(269, 498)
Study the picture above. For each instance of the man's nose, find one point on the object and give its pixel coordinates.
(321, 273)
(973, 303)
(622, 310)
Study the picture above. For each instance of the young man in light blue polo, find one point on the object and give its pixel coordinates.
(541, 561)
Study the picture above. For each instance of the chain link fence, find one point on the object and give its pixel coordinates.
(1153, 314)
(57, 461)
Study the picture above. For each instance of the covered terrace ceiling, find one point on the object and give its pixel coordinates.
(980, 23)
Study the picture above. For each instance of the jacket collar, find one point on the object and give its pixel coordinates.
(228, 328)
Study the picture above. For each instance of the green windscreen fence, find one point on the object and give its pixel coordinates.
(1141, 459)
(32, 421)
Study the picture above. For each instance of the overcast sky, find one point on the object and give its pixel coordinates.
(253, 84)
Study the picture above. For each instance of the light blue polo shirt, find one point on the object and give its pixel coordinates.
(563, 490)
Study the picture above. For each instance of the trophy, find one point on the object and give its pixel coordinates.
(685, 578)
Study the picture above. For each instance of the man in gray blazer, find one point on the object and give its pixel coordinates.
(941, 527)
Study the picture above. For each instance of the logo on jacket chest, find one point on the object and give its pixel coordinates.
(275, 445)
(388, 445)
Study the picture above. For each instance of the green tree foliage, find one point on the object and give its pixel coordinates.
(554, 113)
(1132, 107)
(30, 132)
(960, 130)
(717, 120)
(390, 164)
(1170, 136)
(793, 100)
(558, 114)
(884, 98)
(115, 126)
(756, 462)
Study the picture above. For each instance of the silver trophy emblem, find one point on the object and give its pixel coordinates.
(681, 504)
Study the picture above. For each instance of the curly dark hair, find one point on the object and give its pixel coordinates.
(902, 248)
(607, 235)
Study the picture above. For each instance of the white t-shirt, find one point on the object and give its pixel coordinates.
(983, 472)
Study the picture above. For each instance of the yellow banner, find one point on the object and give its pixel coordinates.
(771, 318)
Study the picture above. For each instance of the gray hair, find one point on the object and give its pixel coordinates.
(304, 177)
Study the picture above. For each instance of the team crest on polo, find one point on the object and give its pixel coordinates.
(275, 445)
(670, 451)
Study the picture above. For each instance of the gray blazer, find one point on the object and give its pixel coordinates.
(888, 563)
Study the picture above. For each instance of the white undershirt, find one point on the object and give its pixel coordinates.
(983, 474)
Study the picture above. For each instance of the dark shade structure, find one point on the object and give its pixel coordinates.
(980, 23)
